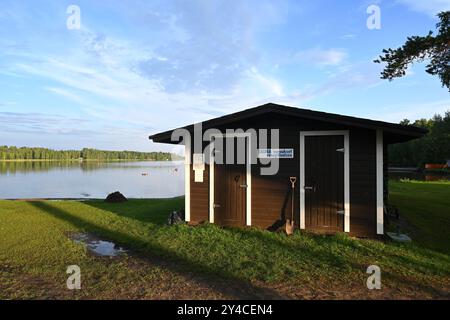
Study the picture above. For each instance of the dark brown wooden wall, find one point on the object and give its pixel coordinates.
(200, 197)
(362, 182)
(199, 194)
(271, 195)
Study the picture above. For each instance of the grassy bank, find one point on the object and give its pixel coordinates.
(426, 206)
(207, 261)
(78, 160)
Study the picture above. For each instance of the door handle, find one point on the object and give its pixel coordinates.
(243, 186)
(313, 189)
(341, 212)
(215, 205)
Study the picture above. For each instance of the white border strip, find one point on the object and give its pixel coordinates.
(249, 181)
(346, 135)
(248, 193)
(346, 182)
(187, 182)
(211, 182)
(302, 180)
(380, 183)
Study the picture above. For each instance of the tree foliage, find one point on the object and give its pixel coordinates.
(433, 148)
(418, 48)
(26, 153)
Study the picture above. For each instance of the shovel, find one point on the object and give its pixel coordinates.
(290, 222)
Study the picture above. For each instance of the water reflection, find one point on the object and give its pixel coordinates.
(91, 179)
(97, 246)
(33, 166)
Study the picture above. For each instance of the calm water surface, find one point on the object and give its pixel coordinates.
(152, 179)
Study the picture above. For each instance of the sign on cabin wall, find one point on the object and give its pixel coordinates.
(276, 153)
(198, 166)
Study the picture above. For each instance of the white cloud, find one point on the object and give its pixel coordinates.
(122, 95)
(105, 74)
(321, 57)
(43, 123)
(348, 36)
(272, 86)
(349, 76)
(217, 46)
(67, 94)
(429, 7)
(199, 60)
(412, 111)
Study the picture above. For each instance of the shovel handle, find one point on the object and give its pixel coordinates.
(293, 180)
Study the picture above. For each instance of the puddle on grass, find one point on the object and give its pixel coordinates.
(97, 246)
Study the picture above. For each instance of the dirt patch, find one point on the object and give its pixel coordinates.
(154, 278)
(145, 277)
(178, 283)
(357, 290)
(15, 283)
(175, 282)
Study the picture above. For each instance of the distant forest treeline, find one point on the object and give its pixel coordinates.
(433, 148)
(27, 153)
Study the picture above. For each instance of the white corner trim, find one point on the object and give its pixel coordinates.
(187, 182)
(302, 180)
(249, 182)
(248, 193)
(346, 135)
(211, 183)
(347, 182)
(380, 182)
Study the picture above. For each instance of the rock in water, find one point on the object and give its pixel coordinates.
(115, 197)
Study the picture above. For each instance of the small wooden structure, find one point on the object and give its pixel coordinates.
(338, 161)
(435, 166)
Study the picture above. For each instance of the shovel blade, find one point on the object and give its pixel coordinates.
(289, 227)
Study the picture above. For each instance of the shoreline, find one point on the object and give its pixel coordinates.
(81, 199)
(87, 160)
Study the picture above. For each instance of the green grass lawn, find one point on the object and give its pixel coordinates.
(426, 205)
(207, 261)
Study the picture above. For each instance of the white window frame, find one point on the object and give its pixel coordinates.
(248, 192)
(346, 135)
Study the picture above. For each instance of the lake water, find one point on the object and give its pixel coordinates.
(53, 179)
(89, 179)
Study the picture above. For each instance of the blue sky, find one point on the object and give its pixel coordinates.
(139, 67)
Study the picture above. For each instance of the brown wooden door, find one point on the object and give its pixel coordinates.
(230, 185)
(324, 182)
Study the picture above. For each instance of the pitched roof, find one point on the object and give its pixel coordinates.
(403, 132)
